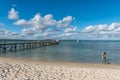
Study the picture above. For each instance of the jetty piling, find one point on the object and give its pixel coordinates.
(14, 45)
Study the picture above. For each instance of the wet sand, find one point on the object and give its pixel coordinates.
(17, 69)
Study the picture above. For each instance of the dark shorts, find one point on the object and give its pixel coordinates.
(104, 60)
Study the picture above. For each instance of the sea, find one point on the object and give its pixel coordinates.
(85, 51)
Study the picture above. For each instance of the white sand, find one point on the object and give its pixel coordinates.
(14, 69)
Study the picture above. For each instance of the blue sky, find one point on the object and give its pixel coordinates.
(60, 19)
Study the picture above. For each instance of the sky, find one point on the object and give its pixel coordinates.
(60, 19)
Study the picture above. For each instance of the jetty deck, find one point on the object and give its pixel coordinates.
(14, 45)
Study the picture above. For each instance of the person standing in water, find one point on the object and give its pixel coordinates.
(104, 57)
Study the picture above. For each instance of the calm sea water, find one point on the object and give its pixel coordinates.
(83, 51)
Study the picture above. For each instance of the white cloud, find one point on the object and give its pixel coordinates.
(48, 20)
(39, 24)
(101, 27)
(37, 21)
(67, 34)
(65, 22)
(96, 28)
(43, 22)
(70, 29)
(21, 22)
(13, 15)
(29, 32)
(51, 34)
(89, 29)
(114, 26)
(68, 19)
(102, 31)
(6, 34)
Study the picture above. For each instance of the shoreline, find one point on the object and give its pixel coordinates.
(11, 68)
(64, 63)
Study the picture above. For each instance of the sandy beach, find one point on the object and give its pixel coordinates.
(16, 69)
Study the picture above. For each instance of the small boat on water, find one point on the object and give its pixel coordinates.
(57, 40)
(78, 41)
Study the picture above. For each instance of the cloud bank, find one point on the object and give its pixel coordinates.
(102, 31)
(46, 27)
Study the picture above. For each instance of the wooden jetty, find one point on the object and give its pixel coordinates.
(14, 45)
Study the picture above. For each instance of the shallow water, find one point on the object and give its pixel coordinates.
(83, 51)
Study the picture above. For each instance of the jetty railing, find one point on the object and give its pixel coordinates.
(14, 45)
